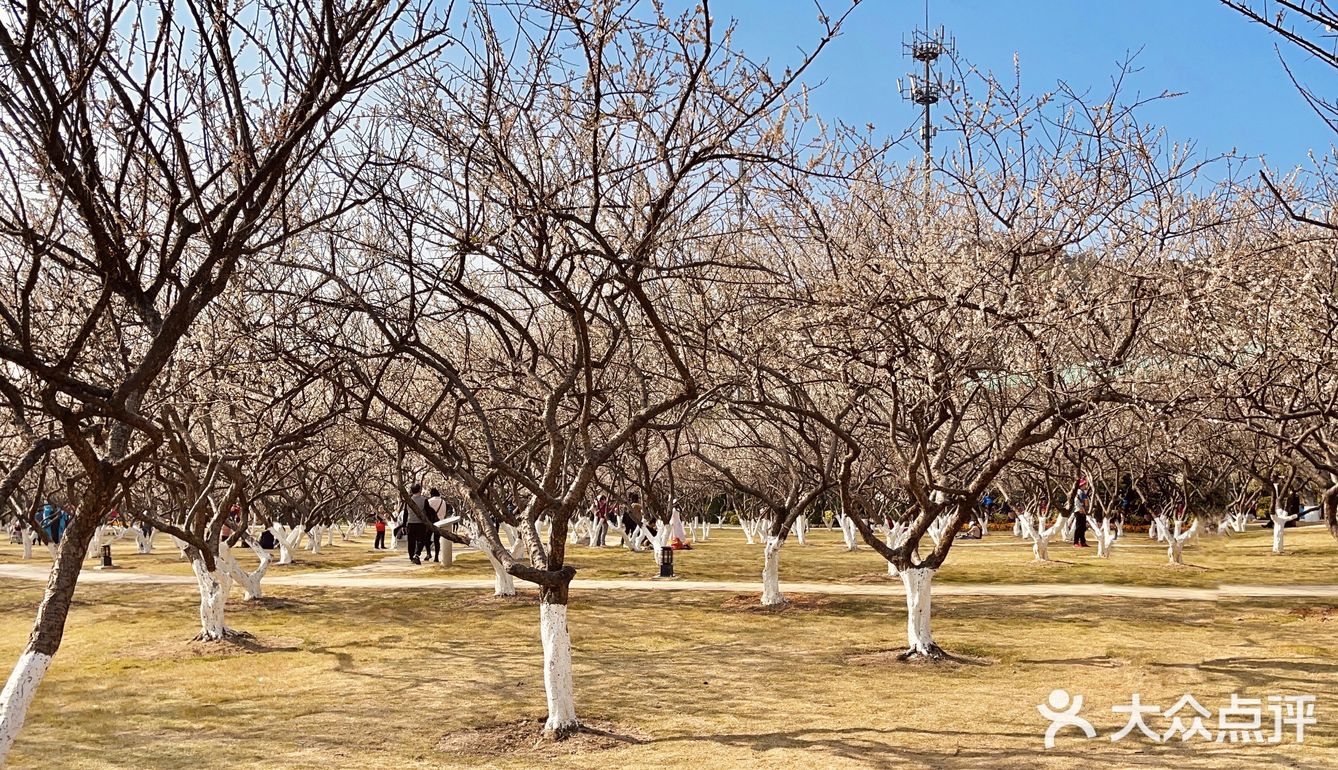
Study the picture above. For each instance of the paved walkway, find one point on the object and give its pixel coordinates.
(366, 577)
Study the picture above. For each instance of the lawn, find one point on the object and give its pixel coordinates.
(389, 679)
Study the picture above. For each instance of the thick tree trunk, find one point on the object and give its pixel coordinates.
(558, 682)
(213, 586)
(771, 593)
(918, 582)
(48, 631)
(18, 695)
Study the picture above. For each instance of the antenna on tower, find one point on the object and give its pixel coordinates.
(926, 87)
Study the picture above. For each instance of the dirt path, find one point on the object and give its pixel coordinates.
(379, 576)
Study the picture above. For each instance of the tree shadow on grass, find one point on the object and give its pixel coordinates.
(939, 749)
(1262, 672)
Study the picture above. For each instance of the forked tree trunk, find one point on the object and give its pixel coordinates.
(918, 582)
(747, 526)
(1280, 520)
(288, 540)
(558, 684)
(1175, 539)
(1105, 538)
(771, 593)
(250, 581)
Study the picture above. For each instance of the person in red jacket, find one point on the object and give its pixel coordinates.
(380, 544)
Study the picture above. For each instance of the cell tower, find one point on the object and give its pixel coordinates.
(925, 88)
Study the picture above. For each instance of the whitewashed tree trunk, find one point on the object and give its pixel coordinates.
(1280, 519)
(706, 528)
(938, 529)
(801, 529)
(557, 670)
(1175, 539)
(18, 695)
(1017, 526)
(918, 582)
(640, 538)
(848, 533)
(892, 537)
(659, 541)
(213, 586)
(95, 545)
(503, 585)
(1039, 534)
(250, 581)
(771, 593)
(287, 539)
(28, 537)
(1106, 536)
(747, 525)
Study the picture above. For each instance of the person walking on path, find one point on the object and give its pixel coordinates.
(603, 513)
(416, 522)
(436, 511)
(1082, 500)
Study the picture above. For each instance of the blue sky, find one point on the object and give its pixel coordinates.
(1237, 94)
